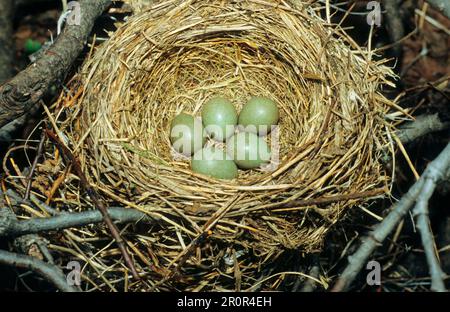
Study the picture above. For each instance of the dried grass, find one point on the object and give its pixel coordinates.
(175, 56)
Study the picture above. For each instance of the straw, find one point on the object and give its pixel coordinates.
(175, 56)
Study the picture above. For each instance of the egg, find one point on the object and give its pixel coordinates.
(258, 115)
(220, 118)
(186, 134)
(248, 150)
(214, 162)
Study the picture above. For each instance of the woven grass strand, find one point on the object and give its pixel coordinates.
(173, 57)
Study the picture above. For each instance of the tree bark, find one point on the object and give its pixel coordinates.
(22, 92)
(49, 272)
(6, 43)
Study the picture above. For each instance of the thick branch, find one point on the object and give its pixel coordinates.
(29, 86)
(49, 272)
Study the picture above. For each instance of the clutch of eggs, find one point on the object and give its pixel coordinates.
(244, 150)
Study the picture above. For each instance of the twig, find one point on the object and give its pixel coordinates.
(23, 91)
(424, 124)
(442, 6)
(70, 159)
(33, 167)
(49, 272)
(17, 200)
(12, 228)
(423, 225)
(24, 243)
(184, 255)
(311, 284)
(432, 21)
(356, 262)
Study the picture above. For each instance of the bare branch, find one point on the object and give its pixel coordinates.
(424, 124)
(33, 167)
(435, 169)
(49, 272)
(12, 228)
(423, 225)
(25, 243)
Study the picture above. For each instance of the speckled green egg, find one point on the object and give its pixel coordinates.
(248, 150)
(258, 115)
(214, 162)
(220, 118)
(187, 134)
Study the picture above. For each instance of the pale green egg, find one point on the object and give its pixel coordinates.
(220, 118)
(258, 115)
(214, 162)
(187, 134)
(248, 150)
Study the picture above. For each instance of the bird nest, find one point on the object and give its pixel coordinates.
(175, 56)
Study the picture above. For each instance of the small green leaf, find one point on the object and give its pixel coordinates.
(32, 46)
